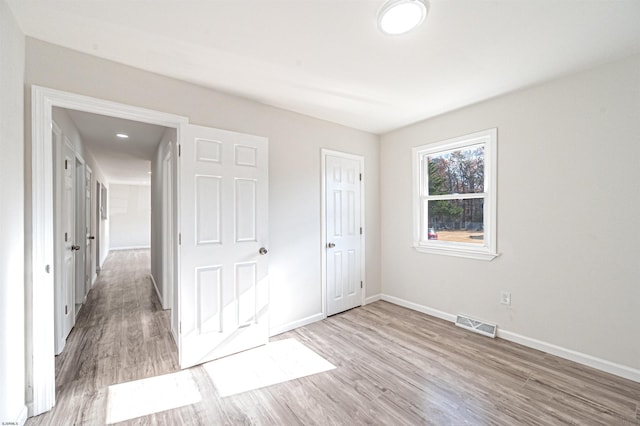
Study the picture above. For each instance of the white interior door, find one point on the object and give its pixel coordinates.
(90, 238)
(98, 224)
(80, 235)
(68, 211)
(167, 233)
(343, 232)
(58, 181)
(223, 232)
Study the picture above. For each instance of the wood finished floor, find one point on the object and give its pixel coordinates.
(394, 367)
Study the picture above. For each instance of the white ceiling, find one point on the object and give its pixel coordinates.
(121, 160)
(327, 59)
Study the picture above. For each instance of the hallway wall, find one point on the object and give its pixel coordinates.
(129, 216)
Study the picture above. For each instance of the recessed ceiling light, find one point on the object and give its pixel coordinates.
(401, 16)
(122, 135)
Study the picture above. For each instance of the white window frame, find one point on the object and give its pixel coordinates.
(485, 251)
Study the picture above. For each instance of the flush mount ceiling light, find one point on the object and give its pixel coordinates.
(401, 16)
(122, 135)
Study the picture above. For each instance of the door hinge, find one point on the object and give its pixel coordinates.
(66, 164)
(180, 327)
(66, 236)
(361, 230)
(66, 309)
(361, 284)
(180, 239)
(179, 150)
(360, 177)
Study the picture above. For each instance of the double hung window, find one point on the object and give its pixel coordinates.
(455, 196)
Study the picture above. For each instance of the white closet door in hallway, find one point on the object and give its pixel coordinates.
(68, 236)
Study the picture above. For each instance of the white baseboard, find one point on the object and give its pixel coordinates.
(579, 357)
(295, 324)
(156, 287)
(129, 248)
(571, 355)
(372, 299)
(420, 308)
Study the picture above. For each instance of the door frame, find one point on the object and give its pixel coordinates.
(323, 216)
(40, 348)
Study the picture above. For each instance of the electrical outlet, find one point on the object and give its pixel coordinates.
(505, 298)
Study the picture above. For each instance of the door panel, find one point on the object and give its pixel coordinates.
(223, 225)
(80, 236)
(68, 234)
(89, 238)
(343, 235)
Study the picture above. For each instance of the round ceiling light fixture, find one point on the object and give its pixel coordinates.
(401, 16)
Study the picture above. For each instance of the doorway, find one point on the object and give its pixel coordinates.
(40, 290)
(220, 177)
(342, 231)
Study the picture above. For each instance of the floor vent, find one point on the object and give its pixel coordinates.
(479, 327)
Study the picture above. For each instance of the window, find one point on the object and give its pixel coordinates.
(455, 196)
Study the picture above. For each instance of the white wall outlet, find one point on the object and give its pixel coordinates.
(505, 298)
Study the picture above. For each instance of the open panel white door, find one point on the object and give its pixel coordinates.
(223, 286)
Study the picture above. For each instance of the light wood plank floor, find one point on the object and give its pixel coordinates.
(394, 367)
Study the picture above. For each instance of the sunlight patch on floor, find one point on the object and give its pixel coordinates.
(276, 362)
(147, 396)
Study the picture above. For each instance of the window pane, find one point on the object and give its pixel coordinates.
(456, 172)
(460, 221)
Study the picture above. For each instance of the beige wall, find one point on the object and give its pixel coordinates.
(12, 296)
(294, 162)
(129, 216)
(568, 203)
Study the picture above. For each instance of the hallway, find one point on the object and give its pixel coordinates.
(121, 334)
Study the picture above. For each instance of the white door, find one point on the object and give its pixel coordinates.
(223, 243)
(343, 232)
(80, 234)
(89, 240)
(98, 224)
(68, 234)
(167, 233)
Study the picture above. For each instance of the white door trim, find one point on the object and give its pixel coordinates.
(39, 277)
(323, 215)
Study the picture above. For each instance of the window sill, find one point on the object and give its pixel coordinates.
(457, 252)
